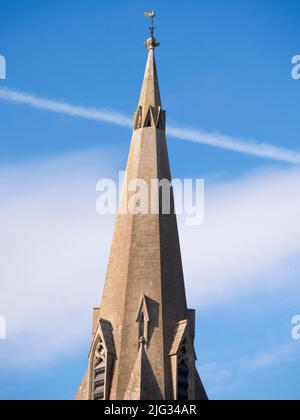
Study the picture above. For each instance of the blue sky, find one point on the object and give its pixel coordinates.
(224, 67)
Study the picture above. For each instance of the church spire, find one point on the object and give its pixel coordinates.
(143, 333)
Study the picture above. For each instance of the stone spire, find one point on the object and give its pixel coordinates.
(150, 94)
(143, 333)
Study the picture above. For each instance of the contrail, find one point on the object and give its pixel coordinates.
(103, 114)
(263, 150)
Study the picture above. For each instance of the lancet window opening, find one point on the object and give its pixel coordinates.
(183, 373)
(99, 373)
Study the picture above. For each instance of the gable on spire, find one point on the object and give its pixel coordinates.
(143, 319)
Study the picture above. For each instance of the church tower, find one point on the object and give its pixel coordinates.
(143, 333)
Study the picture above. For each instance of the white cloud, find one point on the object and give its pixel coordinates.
(268, 359)
(218, 140)
(250, 239)
(230, 375)
(54, 248)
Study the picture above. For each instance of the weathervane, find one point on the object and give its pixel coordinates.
(151, 15)
(151, 42)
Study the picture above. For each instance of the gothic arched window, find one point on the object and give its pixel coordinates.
(183, 374)
(99, 374)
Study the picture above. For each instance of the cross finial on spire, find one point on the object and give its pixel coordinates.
(151, 43)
